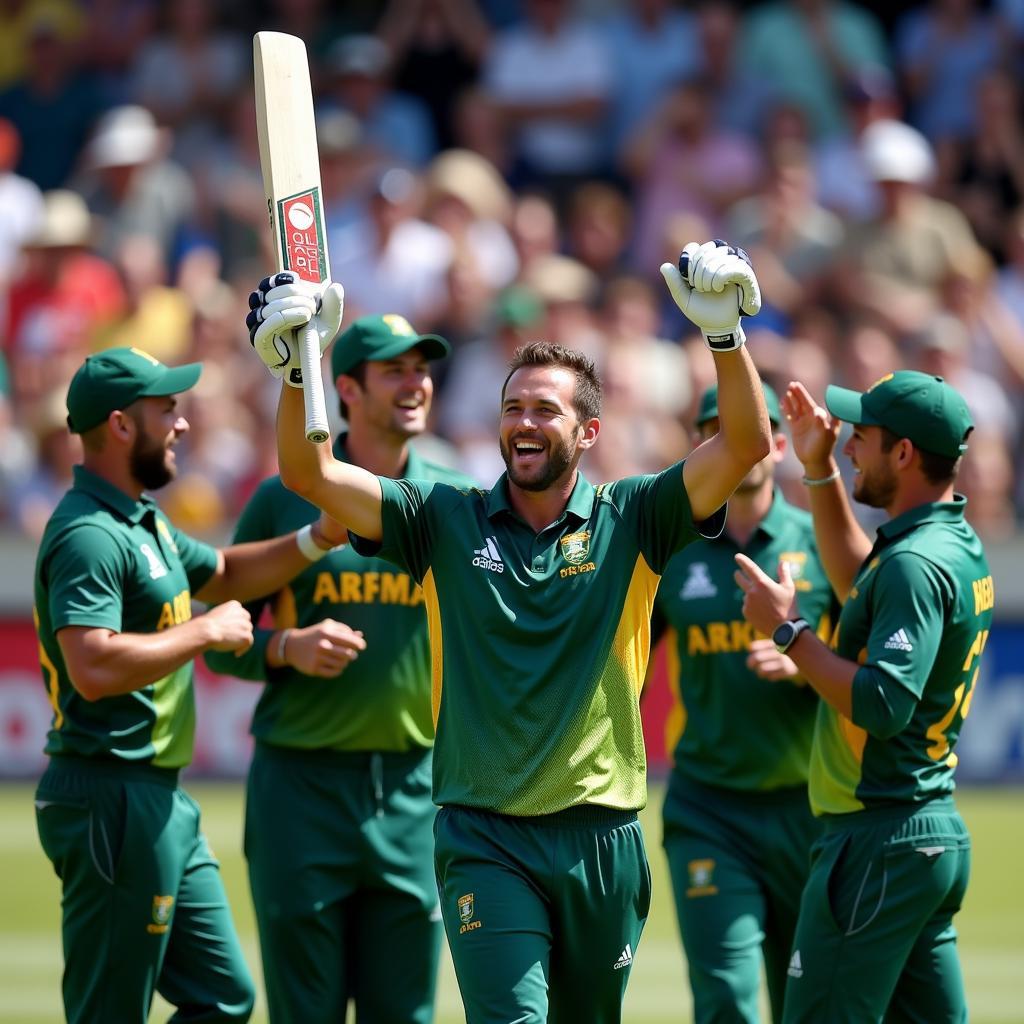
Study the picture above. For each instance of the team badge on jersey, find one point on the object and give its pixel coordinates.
(701, 875)
(797, 562)
(156, 567)
(576, 547)
(162, 907)
(467, 909)
(698, 583)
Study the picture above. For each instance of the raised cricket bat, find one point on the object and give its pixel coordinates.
(291, 181)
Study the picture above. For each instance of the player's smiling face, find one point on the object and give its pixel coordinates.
(875, 482)
(397, 393)
(539, 434)
(159, 426)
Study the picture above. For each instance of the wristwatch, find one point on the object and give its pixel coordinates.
(786, 633)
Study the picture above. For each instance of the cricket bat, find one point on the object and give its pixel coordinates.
(291, 182)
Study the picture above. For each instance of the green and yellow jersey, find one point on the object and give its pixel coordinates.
(729, 727)
(108, 561)
(539, 640)
(916, 621)
(381, 702)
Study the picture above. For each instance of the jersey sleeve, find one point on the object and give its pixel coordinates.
(255, 523)
(199, 560)
(658, 508)
(85, 580)
(910, 599)
(409, 512)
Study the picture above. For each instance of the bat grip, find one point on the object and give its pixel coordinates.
(313, 386)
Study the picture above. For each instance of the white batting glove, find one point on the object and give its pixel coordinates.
(714, 285)
(282, 304)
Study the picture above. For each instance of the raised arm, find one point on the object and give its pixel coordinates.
(278, 306)
(714, 286)
(842, 544)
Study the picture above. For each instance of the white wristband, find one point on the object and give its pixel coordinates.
(727, 342)
(282, 643)
(821, 481)
(308, 546)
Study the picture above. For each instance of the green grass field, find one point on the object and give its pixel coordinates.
(991, 925)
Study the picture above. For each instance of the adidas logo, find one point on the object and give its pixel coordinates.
(625, 958)
(796, 969)
(698, 583)
(899, 641)
(488, 557)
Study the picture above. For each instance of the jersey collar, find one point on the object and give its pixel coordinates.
(777, 516)
(113, 497)
(931, 512)
(414, 464)
(580, 503)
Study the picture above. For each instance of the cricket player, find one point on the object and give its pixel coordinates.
(875, 938)
(737, 825)
(343, 727)
(539, 594)
(143, 906)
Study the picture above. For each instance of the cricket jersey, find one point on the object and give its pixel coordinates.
(916, 621)
(381, 702)
(539, 640)
(107, 561)
(729, 727)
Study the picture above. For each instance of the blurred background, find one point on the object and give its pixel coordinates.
(502, 171)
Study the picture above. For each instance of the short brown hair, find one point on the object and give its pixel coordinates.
(937, 469)
(586, 398)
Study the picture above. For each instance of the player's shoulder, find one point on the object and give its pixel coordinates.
(435, 472)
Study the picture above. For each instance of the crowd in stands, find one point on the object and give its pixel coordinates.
(501, 171)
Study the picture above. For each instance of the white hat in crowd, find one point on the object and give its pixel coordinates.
(893, 151)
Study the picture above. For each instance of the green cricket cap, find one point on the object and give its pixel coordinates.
(708, 408)
(922, 408)
(115, 378)
(372, 338)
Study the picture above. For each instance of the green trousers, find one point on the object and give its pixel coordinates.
(738, 862)
(544, 914)
(340, 851)
(143, 905)
(875, 940)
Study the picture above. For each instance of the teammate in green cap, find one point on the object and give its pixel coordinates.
(539, 595)
(344, 730)
(737, 825)
(143, 905)
(875, 937)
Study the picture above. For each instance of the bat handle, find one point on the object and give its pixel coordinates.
(313, 386)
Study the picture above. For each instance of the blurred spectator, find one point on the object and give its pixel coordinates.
(17, 457)
(391, 259)
(808, 49)
(21, 204)
(568, 291)
(986, 478)
(157, 317)
(437, 47)
(468, 199)
(739, 96)
(358, 80)
(62, 293)
(1010, 281)
(844, 184)
(131, 184)
(680, 160)
(20, 20)
(52, 106)
(984, 172)
(115, 32)
(188, 74)
(790, 238)
(57, 450)
(867, 353)
(550, 79)
(894, 265)
(944, 48)
(477, 126)
(652, 47)
(598, 228)
(534, 230)
(466, 317)
(313, 21)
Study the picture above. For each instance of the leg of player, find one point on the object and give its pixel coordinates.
(880, 896)
(204, 971)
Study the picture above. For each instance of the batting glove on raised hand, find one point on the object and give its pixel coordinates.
(280, 305)
(714, 285)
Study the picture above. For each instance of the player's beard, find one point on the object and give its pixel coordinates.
(560, 458)
(875, 488)
(148, 462)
